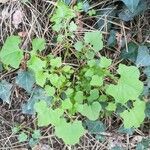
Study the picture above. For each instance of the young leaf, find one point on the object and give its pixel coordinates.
(79, 97)
(56, 62)
(70, 132)
(47, 115)
(5, 91)
(90, 111)
(50, 90)
(129, 86)
(36, 134)
(105, 62)
(41, 77)
(38, 44)
(11, 53)
(22, 137)
(94, 94)
(25, 80)
(94, 38)
(72, 27)
(66, 104)
(135, 116)
(78, 46)
(96, 81)
(36, 64)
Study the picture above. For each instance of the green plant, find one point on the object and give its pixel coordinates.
(71, 91)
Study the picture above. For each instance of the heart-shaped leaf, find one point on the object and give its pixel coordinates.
(90, 111)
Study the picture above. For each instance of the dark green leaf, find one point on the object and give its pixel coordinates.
(131, 4)
(25, 80)
(38, 94)
(127, 15)
(132, 52)
(147, 110)
(123, 130)
(112, 38)
(143, 58)
(95, 127)
(5, 91)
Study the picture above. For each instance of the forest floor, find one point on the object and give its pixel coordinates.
(31, 18)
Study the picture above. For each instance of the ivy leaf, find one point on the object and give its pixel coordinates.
(47, 115)
(132, 52)
(95, 127)
(36, 95)
(70, 132)
(135, 116)
(90, 111)
(11, 53)
(5, 91)
(143, 57)
(38, 44)
(129, 86)
(96, 81)
(25, 80)
(123, 130)
(131, 4)
(94, 38)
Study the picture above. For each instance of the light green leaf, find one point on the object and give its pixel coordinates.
(70, 132)
(90, 111)
(22, 137)
(56, 62)
(38, 44)
(41, 77)
(50, 90)
(66, 104)
(96, 81)
(135, 116)
(10, 53)
(25, 80)
(36, 134)
(36, 64)
(94, 38)
(129, 86)
(111, 106)
(47, 115)
(79, 97)
(105, 62)
(78, 46)
(94, 94)
(72, 27)
(5, 91)
(56, 80)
